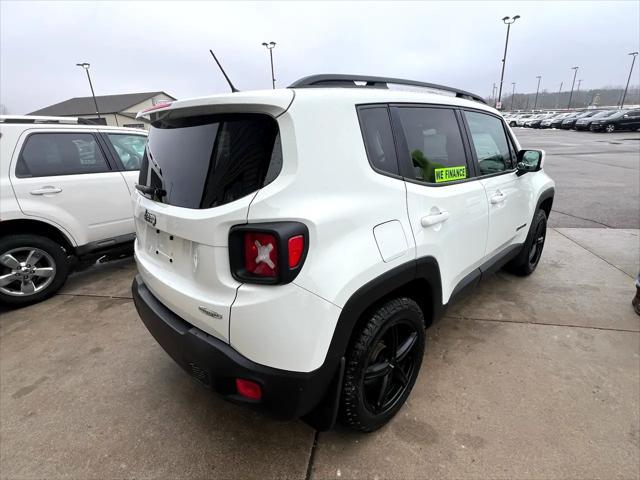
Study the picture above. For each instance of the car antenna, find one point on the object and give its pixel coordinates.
(233, 89)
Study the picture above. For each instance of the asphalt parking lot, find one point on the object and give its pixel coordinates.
(525, 378)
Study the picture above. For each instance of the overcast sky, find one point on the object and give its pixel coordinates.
(148, 46)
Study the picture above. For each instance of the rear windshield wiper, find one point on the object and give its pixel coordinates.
(152, 191)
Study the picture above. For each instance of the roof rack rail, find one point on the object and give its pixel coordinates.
(349, 81)
(42, 119)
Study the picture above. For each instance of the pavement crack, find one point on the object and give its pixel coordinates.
(593, 253)
(581, 218)
(312, 456)
(473, 319)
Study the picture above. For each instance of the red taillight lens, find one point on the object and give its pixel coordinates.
(296, 248)
(261, 254)
(248, 389)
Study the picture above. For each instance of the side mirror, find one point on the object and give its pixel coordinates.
(530, 161)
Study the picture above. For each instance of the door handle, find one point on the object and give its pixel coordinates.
(497, 197)
(434, 219)
(45, 190)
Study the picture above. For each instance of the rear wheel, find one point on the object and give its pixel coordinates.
(32, 268)
(527, 260)
(610, 128)
(512, 124)
(382, 365)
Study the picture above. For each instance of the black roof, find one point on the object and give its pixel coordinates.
(106, 104)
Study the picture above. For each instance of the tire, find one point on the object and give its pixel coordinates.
(366, 404)
(610, 128)
(527, 260)
(512, 124)
(23, 283)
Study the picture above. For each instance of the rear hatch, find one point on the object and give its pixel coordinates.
(199, 174)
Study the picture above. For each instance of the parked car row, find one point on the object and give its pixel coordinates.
(594, 120)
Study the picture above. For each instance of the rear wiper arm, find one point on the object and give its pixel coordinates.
(153, 191)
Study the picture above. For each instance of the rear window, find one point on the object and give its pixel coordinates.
(207, 161)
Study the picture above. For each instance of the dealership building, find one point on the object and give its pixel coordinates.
(115, 110)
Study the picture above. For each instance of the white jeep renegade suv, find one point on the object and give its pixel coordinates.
(65, 198)
(293, 245)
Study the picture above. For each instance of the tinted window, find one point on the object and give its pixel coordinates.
(435, 144)
(49, 154)
(130, 149)
(203, 162)
(378, 139)
(490, 142)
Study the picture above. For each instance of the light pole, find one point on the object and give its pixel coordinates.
(86, 66)
(513, 94)
(559, 92)
(535, 103)
(634, 54)
(508, 21)
(575, 72)
(493, 93)
(270, 46)
(578, 90)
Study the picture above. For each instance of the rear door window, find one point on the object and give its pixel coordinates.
(435, 144)
(51, 154)
(207, 161)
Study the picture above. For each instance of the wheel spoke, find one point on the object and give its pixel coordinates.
(7, 279)
(27, 287)
(401, 376)
(44, 272)
(33, 257)
(383, 390)
(376, 370)
(406, 347)
(10, 261)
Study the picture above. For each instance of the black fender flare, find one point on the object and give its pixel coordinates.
(361, 300)
(545, 195)
(324, 415)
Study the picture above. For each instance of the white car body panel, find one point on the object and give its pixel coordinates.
(361, 225)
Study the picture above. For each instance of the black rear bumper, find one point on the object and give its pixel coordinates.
(214, 363)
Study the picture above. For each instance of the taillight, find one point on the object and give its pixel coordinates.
(261, 254)
(271, 253)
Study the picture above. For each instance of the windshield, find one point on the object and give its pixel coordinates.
(207, 161)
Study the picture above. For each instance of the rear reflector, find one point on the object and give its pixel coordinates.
(248, 389)
(296, 249)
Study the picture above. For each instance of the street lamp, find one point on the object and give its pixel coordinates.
(508, 21)
(575, 72)
(634, 54)
(86, 66)
(535, 103)
(513, 94)
(270, 46)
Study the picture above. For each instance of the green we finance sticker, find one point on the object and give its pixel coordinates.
(450, 174)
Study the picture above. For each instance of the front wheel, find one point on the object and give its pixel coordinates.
(383, 362)
(610, 128)
(32, 268)
(527, 260)
(512, 124)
